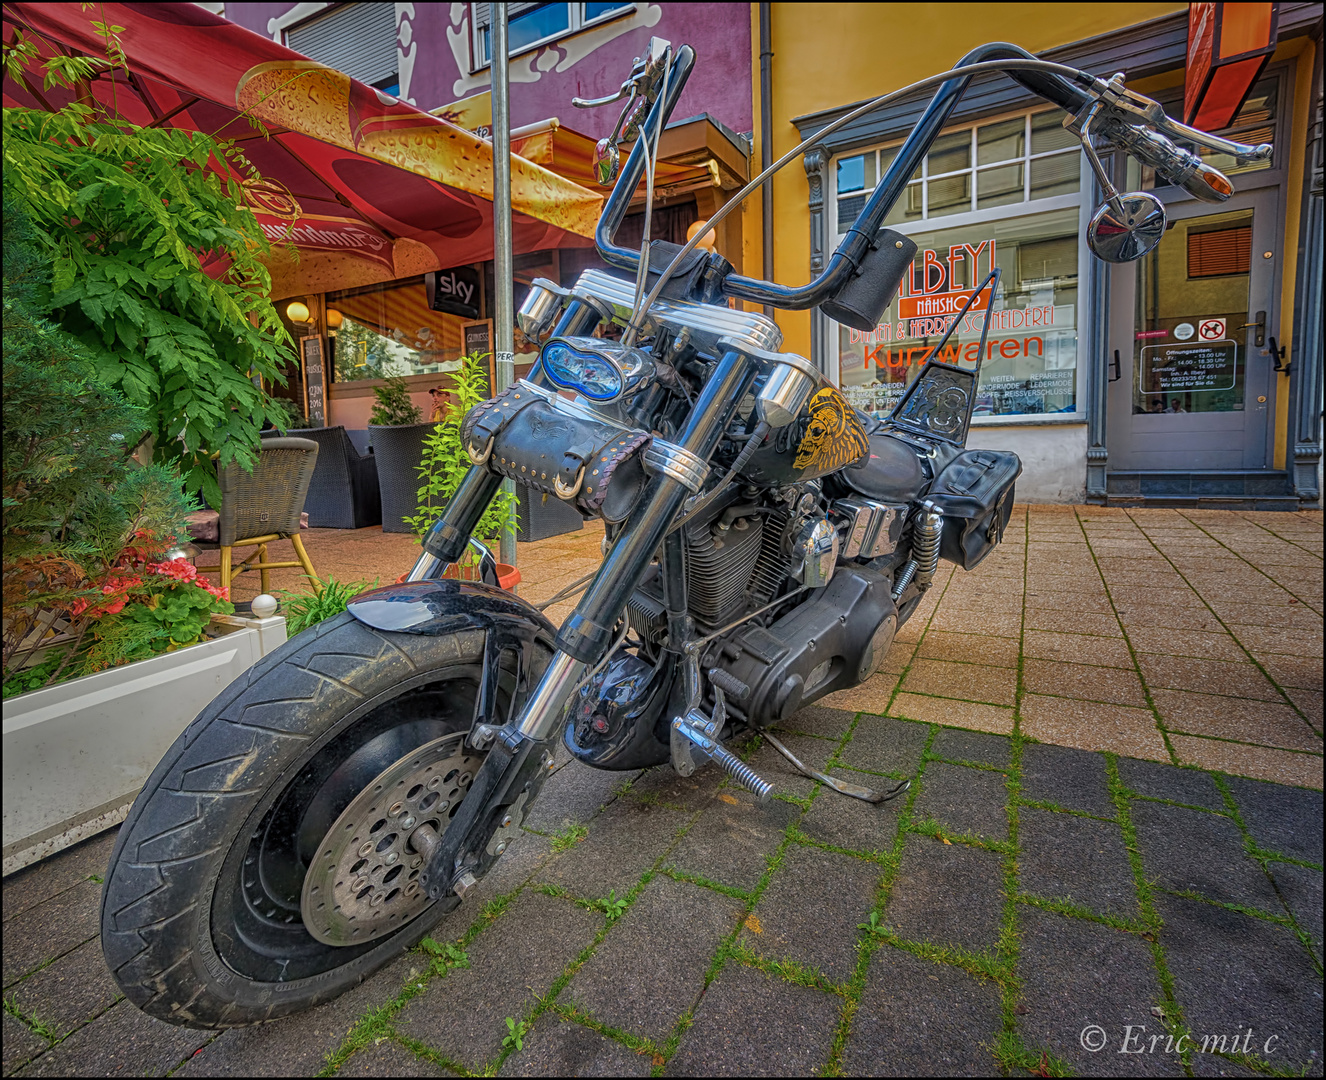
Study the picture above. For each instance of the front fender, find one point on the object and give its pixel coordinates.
(448, 606)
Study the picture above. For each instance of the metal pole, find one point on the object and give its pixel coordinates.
(504, 313)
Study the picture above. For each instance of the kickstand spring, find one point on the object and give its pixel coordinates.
(855, 791)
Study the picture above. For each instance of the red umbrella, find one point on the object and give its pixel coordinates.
(366, 187)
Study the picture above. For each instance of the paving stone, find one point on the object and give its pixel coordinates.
(1301, 888)
(1168, 782)
(1092, 725)
(51, 929)
(1111, 982)
(871, 696)
(298, 1045)
(961, 745)
(966, 682)
(962, 714)
(389, 1059)
(663, 784)
(1072, 779)
(733, 839)
(752, 1024)
(970, 649)
(512, 963)
(1187, 850)
(817, 720)
(121, 1041)
(65, 869)
(811, 910)
(1264, 722)
(20, 1044)
(1207, 676)
(573, 795)
(884, 745)
(1240, 759)
(623, 842)
(71, 991)
(1232, 971)
(919, 1018)
(1084, 682)
(1283, 819)
(842, 821)
(559, 1047)
(964, 800)
(1076, 859)
(947, 894)
(650, 968)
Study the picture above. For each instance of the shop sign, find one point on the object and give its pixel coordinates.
(454, 291)
(1188, 369)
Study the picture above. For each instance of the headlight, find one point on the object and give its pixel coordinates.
(601, 370)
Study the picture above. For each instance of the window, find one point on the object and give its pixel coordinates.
(1254, 124)
(1219, 252)
(974, 168)
(359, 39)
(1030, 360)
(389, 330)
(529, 25)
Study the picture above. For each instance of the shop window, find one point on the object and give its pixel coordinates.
(1029, 366)
(359, 39)
(388, 330)
(1255, 124)
(974, 168)
(530, 25)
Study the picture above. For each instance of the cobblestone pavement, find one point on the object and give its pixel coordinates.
(1113, 840)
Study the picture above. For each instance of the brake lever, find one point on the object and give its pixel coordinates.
(593, 103)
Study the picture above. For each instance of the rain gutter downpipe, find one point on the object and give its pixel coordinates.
(504, 314)
(766, 150)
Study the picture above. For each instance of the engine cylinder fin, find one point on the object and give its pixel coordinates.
(771, 566)
(719, 565)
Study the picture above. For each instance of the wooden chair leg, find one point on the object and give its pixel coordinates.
(225, 566)
(263, 572)
(306, 562)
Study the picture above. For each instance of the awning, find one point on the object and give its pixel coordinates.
(366, 187)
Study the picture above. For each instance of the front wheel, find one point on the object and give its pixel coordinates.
(265, 867)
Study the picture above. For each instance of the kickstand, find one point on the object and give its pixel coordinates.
(840, 786)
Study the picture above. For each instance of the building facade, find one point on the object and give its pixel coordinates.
(436, 57)
(1192, 377)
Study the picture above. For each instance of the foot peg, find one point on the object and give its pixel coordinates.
(696, 736)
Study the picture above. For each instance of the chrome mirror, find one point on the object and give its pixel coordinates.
(607, 160)
(1126, 227)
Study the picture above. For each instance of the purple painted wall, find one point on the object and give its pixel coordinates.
(434, 50)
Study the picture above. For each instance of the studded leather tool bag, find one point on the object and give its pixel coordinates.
(975, 493)
(596, 466)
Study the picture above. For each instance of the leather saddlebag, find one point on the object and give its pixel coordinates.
(975, 494)
(598, 467)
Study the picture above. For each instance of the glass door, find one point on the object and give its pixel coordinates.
(1191, 323)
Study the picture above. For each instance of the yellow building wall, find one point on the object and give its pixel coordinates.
(828, 56)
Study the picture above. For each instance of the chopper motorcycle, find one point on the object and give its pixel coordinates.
(763, 542)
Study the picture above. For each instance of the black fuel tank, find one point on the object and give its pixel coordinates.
(828, 436)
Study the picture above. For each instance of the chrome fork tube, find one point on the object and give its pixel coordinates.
(551, 697)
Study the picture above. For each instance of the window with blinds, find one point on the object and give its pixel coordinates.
(1220, 252)
(530, 25)
(359, 39)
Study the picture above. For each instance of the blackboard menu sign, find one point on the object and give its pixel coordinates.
(477, 339)
(315, 380)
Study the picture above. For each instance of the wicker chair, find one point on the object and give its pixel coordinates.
(263, 506)
(399, 451)
(344, 492)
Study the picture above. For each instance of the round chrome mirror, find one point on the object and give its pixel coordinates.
(607, 160)
(1125, 237)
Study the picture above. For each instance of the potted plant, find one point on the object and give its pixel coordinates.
(397, 435)
(111, 645)
(444, 464)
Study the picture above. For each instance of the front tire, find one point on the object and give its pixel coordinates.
(200, 915)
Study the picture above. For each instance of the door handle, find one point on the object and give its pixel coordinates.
(1259, 338)
(1118, 372)
(1278, 356)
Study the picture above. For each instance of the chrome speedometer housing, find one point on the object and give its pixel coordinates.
(600, 369)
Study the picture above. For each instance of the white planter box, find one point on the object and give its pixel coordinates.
(76, 754)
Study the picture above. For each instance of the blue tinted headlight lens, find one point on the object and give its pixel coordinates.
(576, 369)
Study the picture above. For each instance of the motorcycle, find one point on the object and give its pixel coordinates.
(763, 543)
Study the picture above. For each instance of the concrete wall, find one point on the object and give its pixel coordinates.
(1054, 458)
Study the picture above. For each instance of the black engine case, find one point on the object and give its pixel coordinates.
(832, 641)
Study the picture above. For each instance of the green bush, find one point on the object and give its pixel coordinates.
(394, 406)
(308, 608)
(445, 462)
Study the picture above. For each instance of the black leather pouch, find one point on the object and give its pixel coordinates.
(975, 494)
(596, 466)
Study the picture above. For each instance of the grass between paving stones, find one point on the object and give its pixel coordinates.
(33, 1022)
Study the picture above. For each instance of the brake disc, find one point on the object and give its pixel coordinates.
(364, 880)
